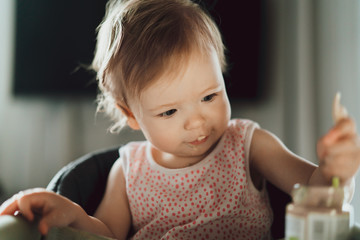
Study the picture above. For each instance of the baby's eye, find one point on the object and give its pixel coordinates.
(168, 113)
(209, 98)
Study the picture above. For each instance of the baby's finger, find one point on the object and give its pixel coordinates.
(343, 165)
(351, 145)
(327, 147)
(25, 206)
(9, 207)
(24, 202)
(48, 221)
(43, 227)
(345, 128)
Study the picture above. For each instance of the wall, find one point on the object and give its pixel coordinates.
(40, 135)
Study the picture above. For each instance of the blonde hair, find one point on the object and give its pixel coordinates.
(139, 40)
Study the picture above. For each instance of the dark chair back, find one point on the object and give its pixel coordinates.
(83, 181)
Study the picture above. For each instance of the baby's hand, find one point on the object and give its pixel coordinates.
(53, 209)
(339, 150)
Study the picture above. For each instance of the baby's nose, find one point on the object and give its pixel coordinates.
(194, 122)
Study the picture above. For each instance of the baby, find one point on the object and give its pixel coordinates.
(199, 174)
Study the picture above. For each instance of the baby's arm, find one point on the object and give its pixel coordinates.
(52, 210)
(55, 210)
(270, 158)
(114, 208)
(338, 153)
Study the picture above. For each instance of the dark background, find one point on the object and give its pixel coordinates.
(54, 38)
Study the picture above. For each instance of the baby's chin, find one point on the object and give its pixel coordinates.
(201, 150)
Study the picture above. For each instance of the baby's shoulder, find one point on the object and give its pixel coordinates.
(242, 127)
(133, 148)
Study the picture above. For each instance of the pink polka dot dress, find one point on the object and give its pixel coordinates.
(213, 199)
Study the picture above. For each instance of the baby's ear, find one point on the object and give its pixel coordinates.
(131, 120)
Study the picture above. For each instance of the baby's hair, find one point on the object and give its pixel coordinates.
(140, 40)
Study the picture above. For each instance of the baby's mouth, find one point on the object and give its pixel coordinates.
(199, 140)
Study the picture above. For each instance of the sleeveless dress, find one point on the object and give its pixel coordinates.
(213, 199)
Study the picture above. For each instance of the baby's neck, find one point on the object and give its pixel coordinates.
(172, 161)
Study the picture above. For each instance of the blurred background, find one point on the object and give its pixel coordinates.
(291, 58)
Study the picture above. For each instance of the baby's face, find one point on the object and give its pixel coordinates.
(185, 116)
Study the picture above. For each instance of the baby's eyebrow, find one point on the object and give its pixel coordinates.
(163, 106)
(216, 88)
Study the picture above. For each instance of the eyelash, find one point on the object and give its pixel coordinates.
(209, 98)
(171, 112)
(168, 113)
